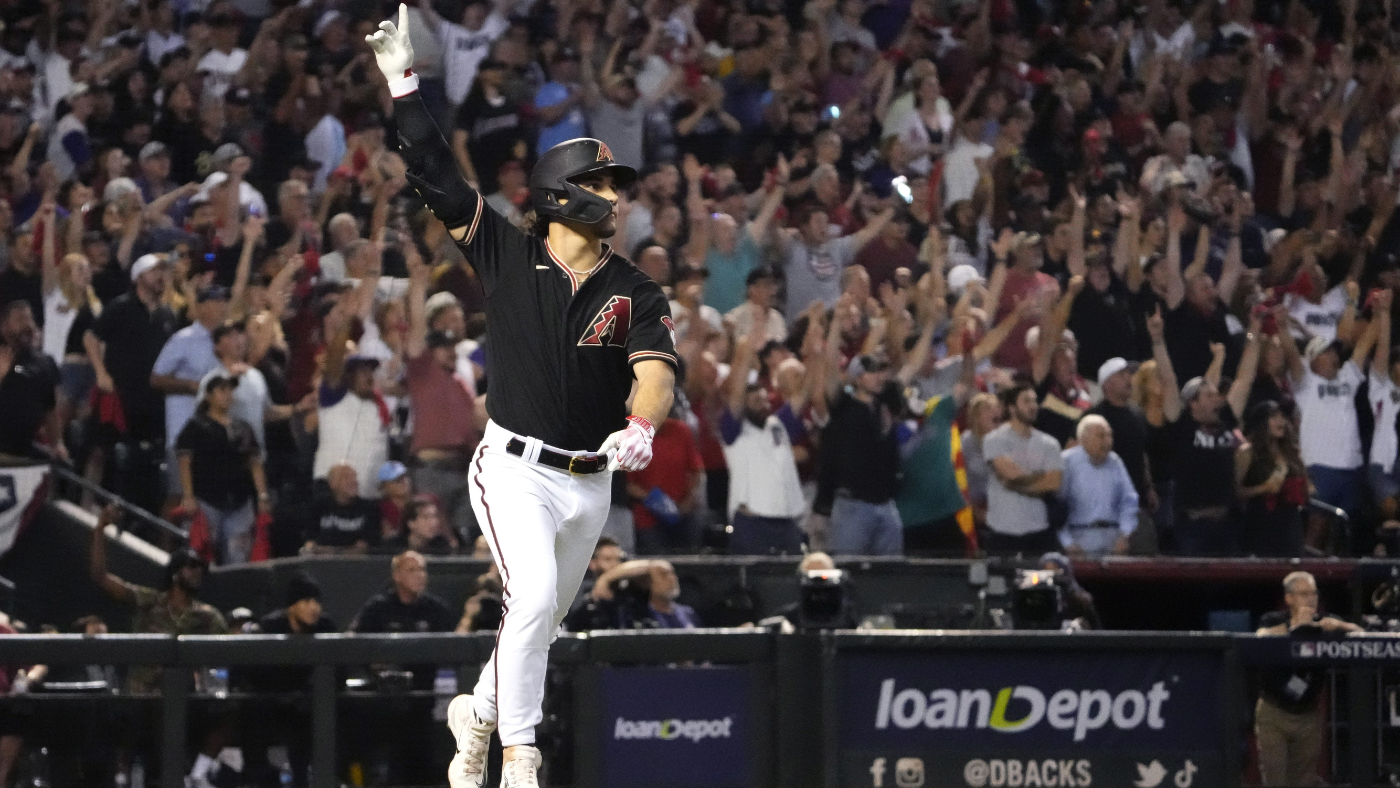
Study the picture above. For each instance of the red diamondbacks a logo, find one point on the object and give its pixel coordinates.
(604, 153)
(670, 326)
(611, 325)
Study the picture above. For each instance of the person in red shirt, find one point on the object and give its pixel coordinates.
(665, 492)
(1024, 280)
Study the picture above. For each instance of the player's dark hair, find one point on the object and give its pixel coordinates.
(534, 224)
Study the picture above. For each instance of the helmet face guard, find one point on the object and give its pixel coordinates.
(553, 188)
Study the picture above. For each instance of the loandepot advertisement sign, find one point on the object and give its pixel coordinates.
(1030, 720)
(676, 727)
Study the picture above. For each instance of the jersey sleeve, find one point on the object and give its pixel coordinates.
(484, 236)
(653, 334)
(492, 242)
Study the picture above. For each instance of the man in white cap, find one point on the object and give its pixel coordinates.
(70, 149)
(123, 346)
(1115, 380)
(960, 276)
(1324, 386)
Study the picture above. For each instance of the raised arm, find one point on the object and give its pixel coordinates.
(1364, 345)
(418, 276)
(1171, 390)
(110, 584)
(1052, 328)
(1292, 360)
(1201, 257)
(758, 226)
(49, 248)
(1381, 309)
(1176, 286)
(871, 229)
(1075, 260)
(1238, 396)
(252, 234)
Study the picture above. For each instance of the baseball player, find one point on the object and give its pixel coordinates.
(570, 326)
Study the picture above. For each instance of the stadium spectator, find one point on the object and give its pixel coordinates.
(668, 491)
(444, 406)
(407, 605)
(1099, 493)
(765, 494)
(1204, 441)
(1024, 465)
(29, 386)
(423, 530)
(287, 722)
(813, 261)
(123, 347)
(1288, 716)
(340, 521)
(221, 472)
(1325, 383)
(1272, 482)
(1115, 379)
(860, 453)
(187, 357)
(172, 610)
(354, 418)
(395, 489)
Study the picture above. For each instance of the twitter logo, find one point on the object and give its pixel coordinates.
(1150, 776)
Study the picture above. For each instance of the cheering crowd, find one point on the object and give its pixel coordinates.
(946, 277)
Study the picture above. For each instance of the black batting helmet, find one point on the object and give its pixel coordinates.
(553, 180)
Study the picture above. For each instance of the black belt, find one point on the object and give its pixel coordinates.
(559, 460)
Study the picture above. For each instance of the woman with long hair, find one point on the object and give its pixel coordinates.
(1147, 399)
(179, 129)
(1272, 483)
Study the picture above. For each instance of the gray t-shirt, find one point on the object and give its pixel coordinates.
(1010, 512)
(815, 274)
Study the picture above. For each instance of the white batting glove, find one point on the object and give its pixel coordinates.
(394, 54)
(630, 449)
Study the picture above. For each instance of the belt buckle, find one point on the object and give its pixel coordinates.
(572, 460)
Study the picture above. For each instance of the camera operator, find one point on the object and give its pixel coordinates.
(1288, 717)
(635, 595)
(1051, 598)
(817, 609)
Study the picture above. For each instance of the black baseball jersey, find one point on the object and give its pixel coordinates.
(559, 351)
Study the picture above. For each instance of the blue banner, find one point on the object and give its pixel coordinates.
(679, 727)
(1014, 719)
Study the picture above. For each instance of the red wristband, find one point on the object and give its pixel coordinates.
(645, 425)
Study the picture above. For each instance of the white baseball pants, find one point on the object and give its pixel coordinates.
(542, 525)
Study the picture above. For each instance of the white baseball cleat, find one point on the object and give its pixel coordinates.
(522, 771)
(473, 735)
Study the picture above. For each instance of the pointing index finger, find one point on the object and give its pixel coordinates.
(403, 17)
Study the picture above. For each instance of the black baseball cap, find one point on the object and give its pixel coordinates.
(689, 272)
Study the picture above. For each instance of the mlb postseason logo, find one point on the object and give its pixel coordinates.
(1358, 649)
(675, 727)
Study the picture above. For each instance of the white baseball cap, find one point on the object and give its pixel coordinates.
(1110, 368)
(143, 264)
(959, 277)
